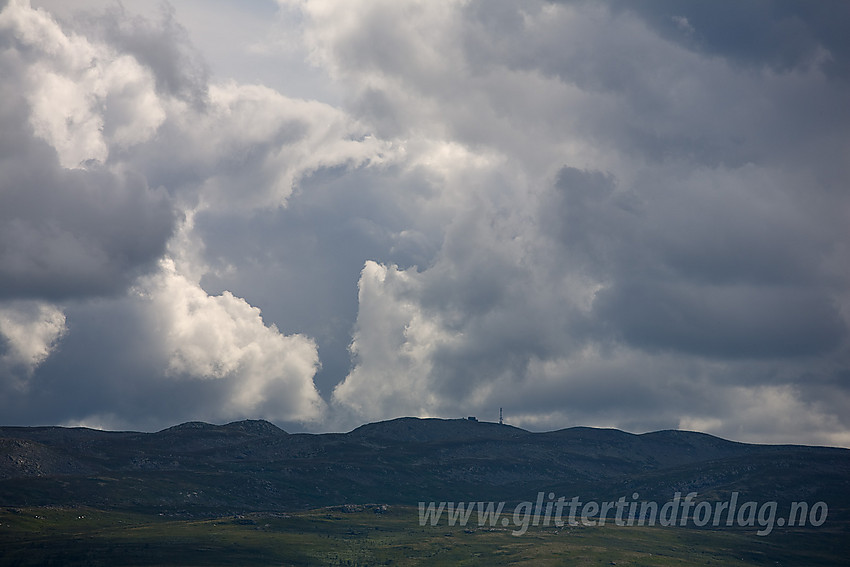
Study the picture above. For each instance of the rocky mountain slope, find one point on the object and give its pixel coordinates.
(198, 468)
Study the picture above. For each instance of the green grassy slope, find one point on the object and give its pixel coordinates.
(84, 536)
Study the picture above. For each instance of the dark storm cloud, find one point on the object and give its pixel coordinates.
(590, 221)
(80, 219)
(588, 213)
(163, 46)
(674, 104)
(69, 232)
(782, 35)
(725, 322)
(108, 373)
(103, 365)
(710, 277)
(696, 252)
(113, 369)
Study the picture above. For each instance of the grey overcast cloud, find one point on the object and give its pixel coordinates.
(329, 212)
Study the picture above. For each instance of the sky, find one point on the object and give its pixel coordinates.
(325, 213)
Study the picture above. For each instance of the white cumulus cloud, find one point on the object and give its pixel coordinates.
(29, 332)
(224, 338)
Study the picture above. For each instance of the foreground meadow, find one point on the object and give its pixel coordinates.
(360, 536)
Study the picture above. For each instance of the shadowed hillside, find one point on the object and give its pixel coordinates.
(198, 468)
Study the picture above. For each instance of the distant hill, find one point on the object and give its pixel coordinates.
(252, 465)
(428, 430)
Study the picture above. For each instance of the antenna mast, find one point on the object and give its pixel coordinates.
(501, 421)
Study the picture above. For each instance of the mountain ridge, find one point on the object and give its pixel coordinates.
(203, 468)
